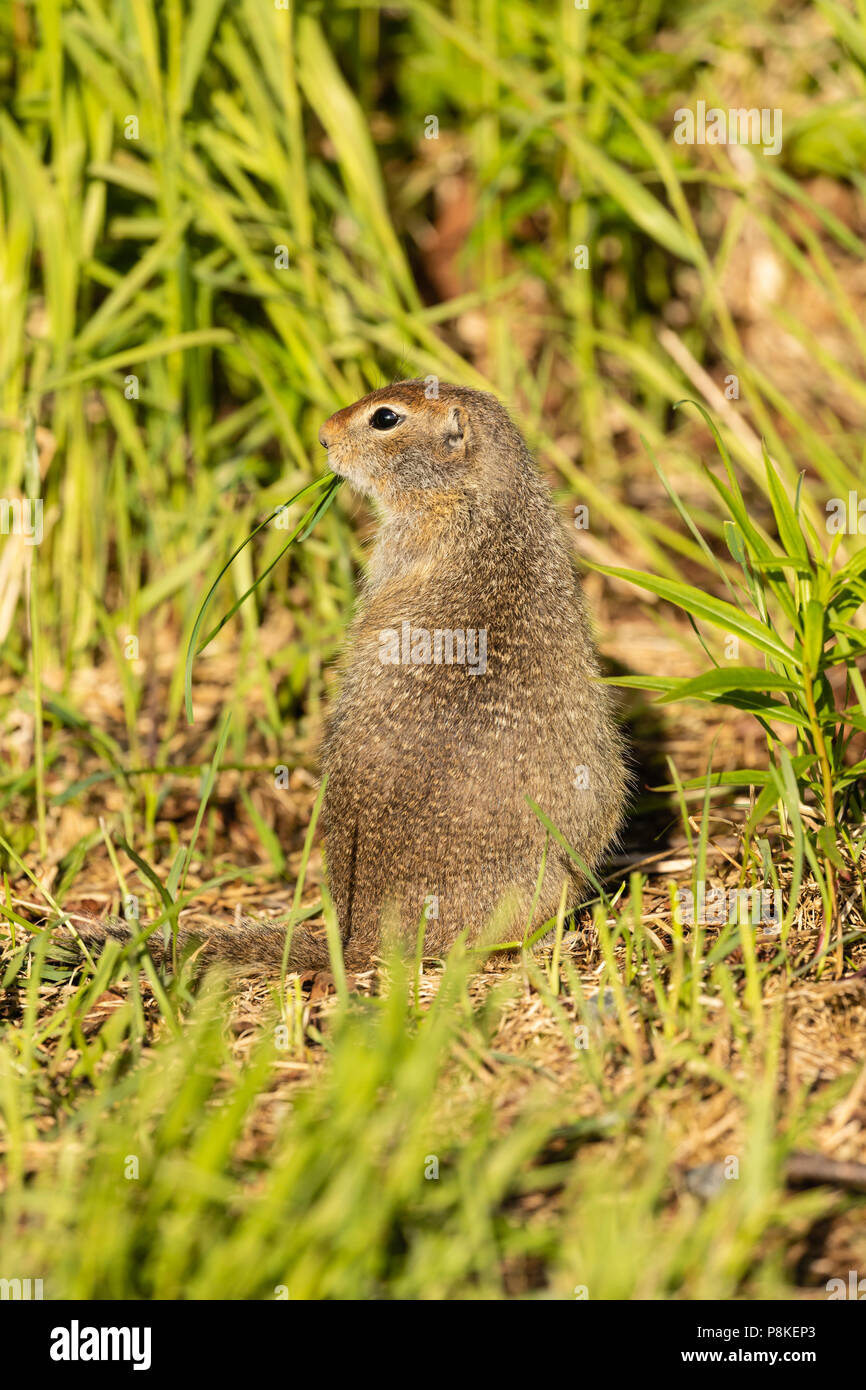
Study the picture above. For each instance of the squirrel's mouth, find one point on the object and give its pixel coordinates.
(355, 479)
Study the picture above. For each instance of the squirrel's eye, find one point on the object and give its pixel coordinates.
(384, 419)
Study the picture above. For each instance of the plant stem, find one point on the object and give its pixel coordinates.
(829, 816)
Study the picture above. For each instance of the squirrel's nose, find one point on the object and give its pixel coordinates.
(323, 437)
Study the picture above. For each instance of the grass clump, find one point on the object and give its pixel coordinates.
(392, 1173)
(794, 606)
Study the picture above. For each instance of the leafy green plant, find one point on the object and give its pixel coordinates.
(794, 606)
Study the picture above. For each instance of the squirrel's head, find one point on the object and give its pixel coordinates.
(405, 447)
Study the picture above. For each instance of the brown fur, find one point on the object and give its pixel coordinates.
(428, 765)
(250, 945)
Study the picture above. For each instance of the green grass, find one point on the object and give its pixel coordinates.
(796, 608)
(180, 312)
(386, 1177)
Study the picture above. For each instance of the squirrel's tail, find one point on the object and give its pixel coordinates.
(251, 945)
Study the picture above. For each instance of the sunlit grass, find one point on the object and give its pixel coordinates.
(214, 224)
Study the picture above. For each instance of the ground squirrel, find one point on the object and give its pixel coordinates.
(468, 687)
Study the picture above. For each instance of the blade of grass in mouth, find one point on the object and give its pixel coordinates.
(327, 489)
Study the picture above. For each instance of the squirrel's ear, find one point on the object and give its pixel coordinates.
(457, 428)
